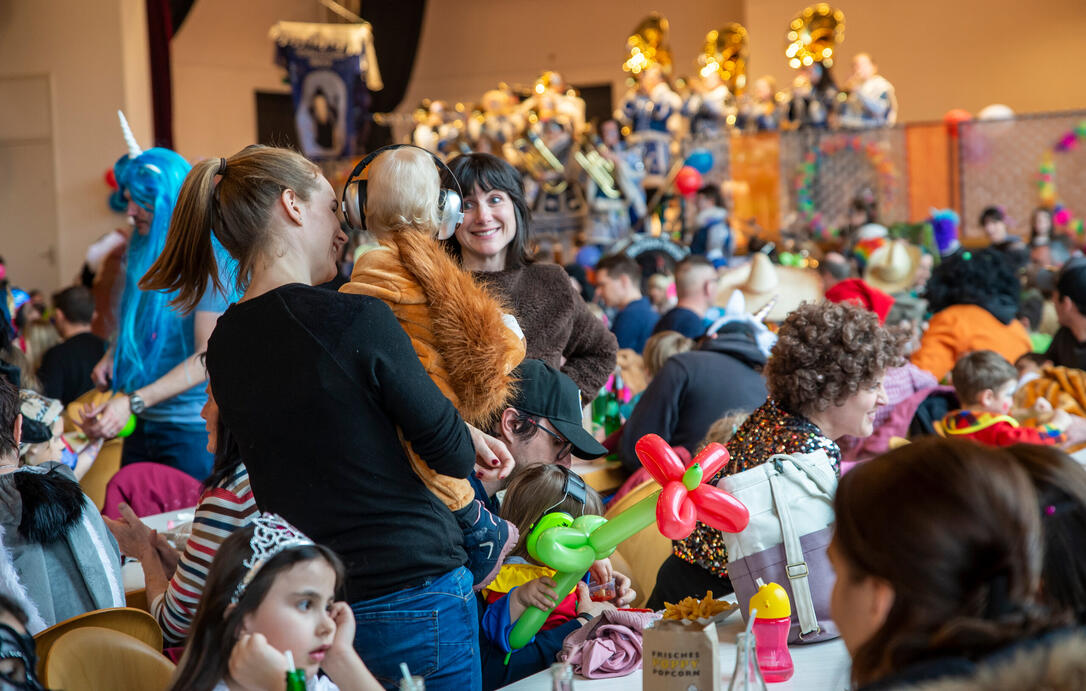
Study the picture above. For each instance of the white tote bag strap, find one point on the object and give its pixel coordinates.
(796, 565)
(823, 477)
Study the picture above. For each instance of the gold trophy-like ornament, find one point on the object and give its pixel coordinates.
(813, 36)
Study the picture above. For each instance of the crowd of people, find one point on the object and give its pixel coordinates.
(374, 446)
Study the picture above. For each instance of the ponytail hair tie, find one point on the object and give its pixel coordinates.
(222, 167)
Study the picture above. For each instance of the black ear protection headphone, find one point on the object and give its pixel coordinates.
(574, 487)
(449, 201)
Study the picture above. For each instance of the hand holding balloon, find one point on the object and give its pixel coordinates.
(571, 546)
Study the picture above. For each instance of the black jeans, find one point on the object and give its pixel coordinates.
(677, 579)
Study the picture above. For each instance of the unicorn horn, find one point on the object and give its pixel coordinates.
(129, 138)
(761, 314)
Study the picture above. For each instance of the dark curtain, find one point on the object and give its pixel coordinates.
(396, 29)
(164, 18)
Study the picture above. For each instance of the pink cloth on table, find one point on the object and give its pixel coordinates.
(151, 488)
(608, 646)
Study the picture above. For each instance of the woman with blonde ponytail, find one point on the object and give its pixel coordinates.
(322, 391)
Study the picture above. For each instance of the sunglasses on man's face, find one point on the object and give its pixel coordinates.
(566, 445)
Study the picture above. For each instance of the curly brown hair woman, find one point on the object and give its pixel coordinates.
(825, 354)
(824, 378)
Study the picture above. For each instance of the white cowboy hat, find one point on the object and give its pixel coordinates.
(892, 267)
(760, 280)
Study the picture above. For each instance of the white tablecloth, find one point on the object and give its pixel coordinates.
(819, 667)
(132, 572)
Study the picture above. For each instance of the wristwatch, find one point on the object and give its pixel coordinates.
(586, 616)
(136, 403)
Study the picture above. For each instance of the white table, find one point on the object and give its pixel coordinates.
(819, 667)
(132, 572)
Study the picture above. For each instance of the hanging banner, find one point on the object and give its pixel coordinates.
(332, 67)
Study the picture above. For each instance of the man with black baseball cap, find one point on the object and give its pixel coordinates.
(542, 423)
(1068, 347)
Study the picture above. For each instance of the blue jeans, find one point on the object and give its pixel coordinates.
(179, 446)
(433, 627)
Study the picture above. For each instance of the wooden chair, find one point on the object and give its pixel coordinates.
(646, 550)
(97, 658)
(137, 599)
(132, 622)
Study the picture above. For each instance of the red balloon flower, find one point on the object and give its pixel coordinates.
(684, 500)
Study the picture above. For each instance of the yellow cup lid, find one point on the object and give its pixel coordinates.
(771, 601)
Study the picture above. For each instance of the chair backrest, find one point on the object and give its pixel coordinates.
(97, 658)
(151, 488)
(646, 550)
(105, 466)
(132, 622)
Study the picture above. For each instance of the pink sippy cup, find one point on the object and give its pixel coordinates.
(771, 624)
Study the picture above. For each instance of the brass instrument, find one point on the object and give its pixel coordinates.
(813, 36)
(648, 45)
(598, 167)
(541, 163)
(726, 51)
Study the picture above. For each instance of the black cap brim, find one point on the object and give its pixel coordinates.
(584, 444)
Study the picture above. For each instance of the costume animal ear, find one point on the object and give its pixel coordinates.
(737, 304)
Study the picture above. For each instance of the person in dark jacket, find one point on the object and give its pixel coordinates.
(695, 389)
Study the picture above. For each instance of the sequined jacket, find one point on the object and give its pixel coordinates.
(769, 430)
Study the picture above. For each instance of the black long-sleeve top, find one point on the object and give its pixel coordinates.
(313, 384)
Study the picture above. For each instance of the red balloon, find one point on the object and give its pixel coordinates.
(675, 515)
(720, 509)
(712, 460)
(111, 180)
(659, 459)
(688, 181)
(955, 117)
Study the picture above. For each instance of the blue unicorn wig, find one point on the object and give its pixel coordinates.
(146, 322)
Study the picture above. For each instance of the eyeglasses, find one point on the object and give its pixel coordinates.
(567, 445)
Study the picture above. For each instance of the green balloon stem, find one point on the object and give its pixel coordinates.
(533, 618)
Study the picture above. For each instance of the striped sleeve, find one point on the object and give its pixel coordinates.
(222, 510)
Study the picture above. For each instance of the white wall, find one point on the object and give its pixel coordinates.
(94, 60)
(221, 57)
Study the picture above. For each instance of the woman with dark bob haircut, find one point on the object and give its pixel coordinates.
(938, 554)
(1061, 494)
(974, 297)
(824, 378)
(493, 243)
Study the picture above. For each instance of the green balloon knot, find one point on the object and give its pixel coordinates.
(692, 477)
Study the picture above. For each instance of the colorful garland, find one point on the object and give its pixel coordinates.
(1046, 182)
(806, 171)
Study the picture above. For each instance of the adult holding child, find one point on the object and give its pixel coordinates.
(309, 378)
(462, 335)
(493, 243)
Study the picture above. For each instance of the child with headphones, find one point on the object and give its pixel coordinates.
(463, 336)
(523, 582)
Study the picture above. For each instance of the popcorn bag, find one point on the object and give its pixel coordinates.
(680, 656)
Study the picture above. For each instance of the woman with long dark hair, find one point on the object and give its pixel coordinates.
(494, 243)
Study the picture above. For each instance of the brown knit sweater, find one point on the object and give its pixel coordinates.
(557, 325)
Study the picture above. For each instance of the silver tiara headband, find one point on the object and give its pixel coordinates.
(271, 535)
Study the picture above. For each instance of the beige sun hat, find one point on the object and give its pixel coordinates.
(892, 267)
(760, 280)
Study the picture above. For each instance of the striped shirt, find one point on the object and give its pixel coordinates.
(222, 510)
